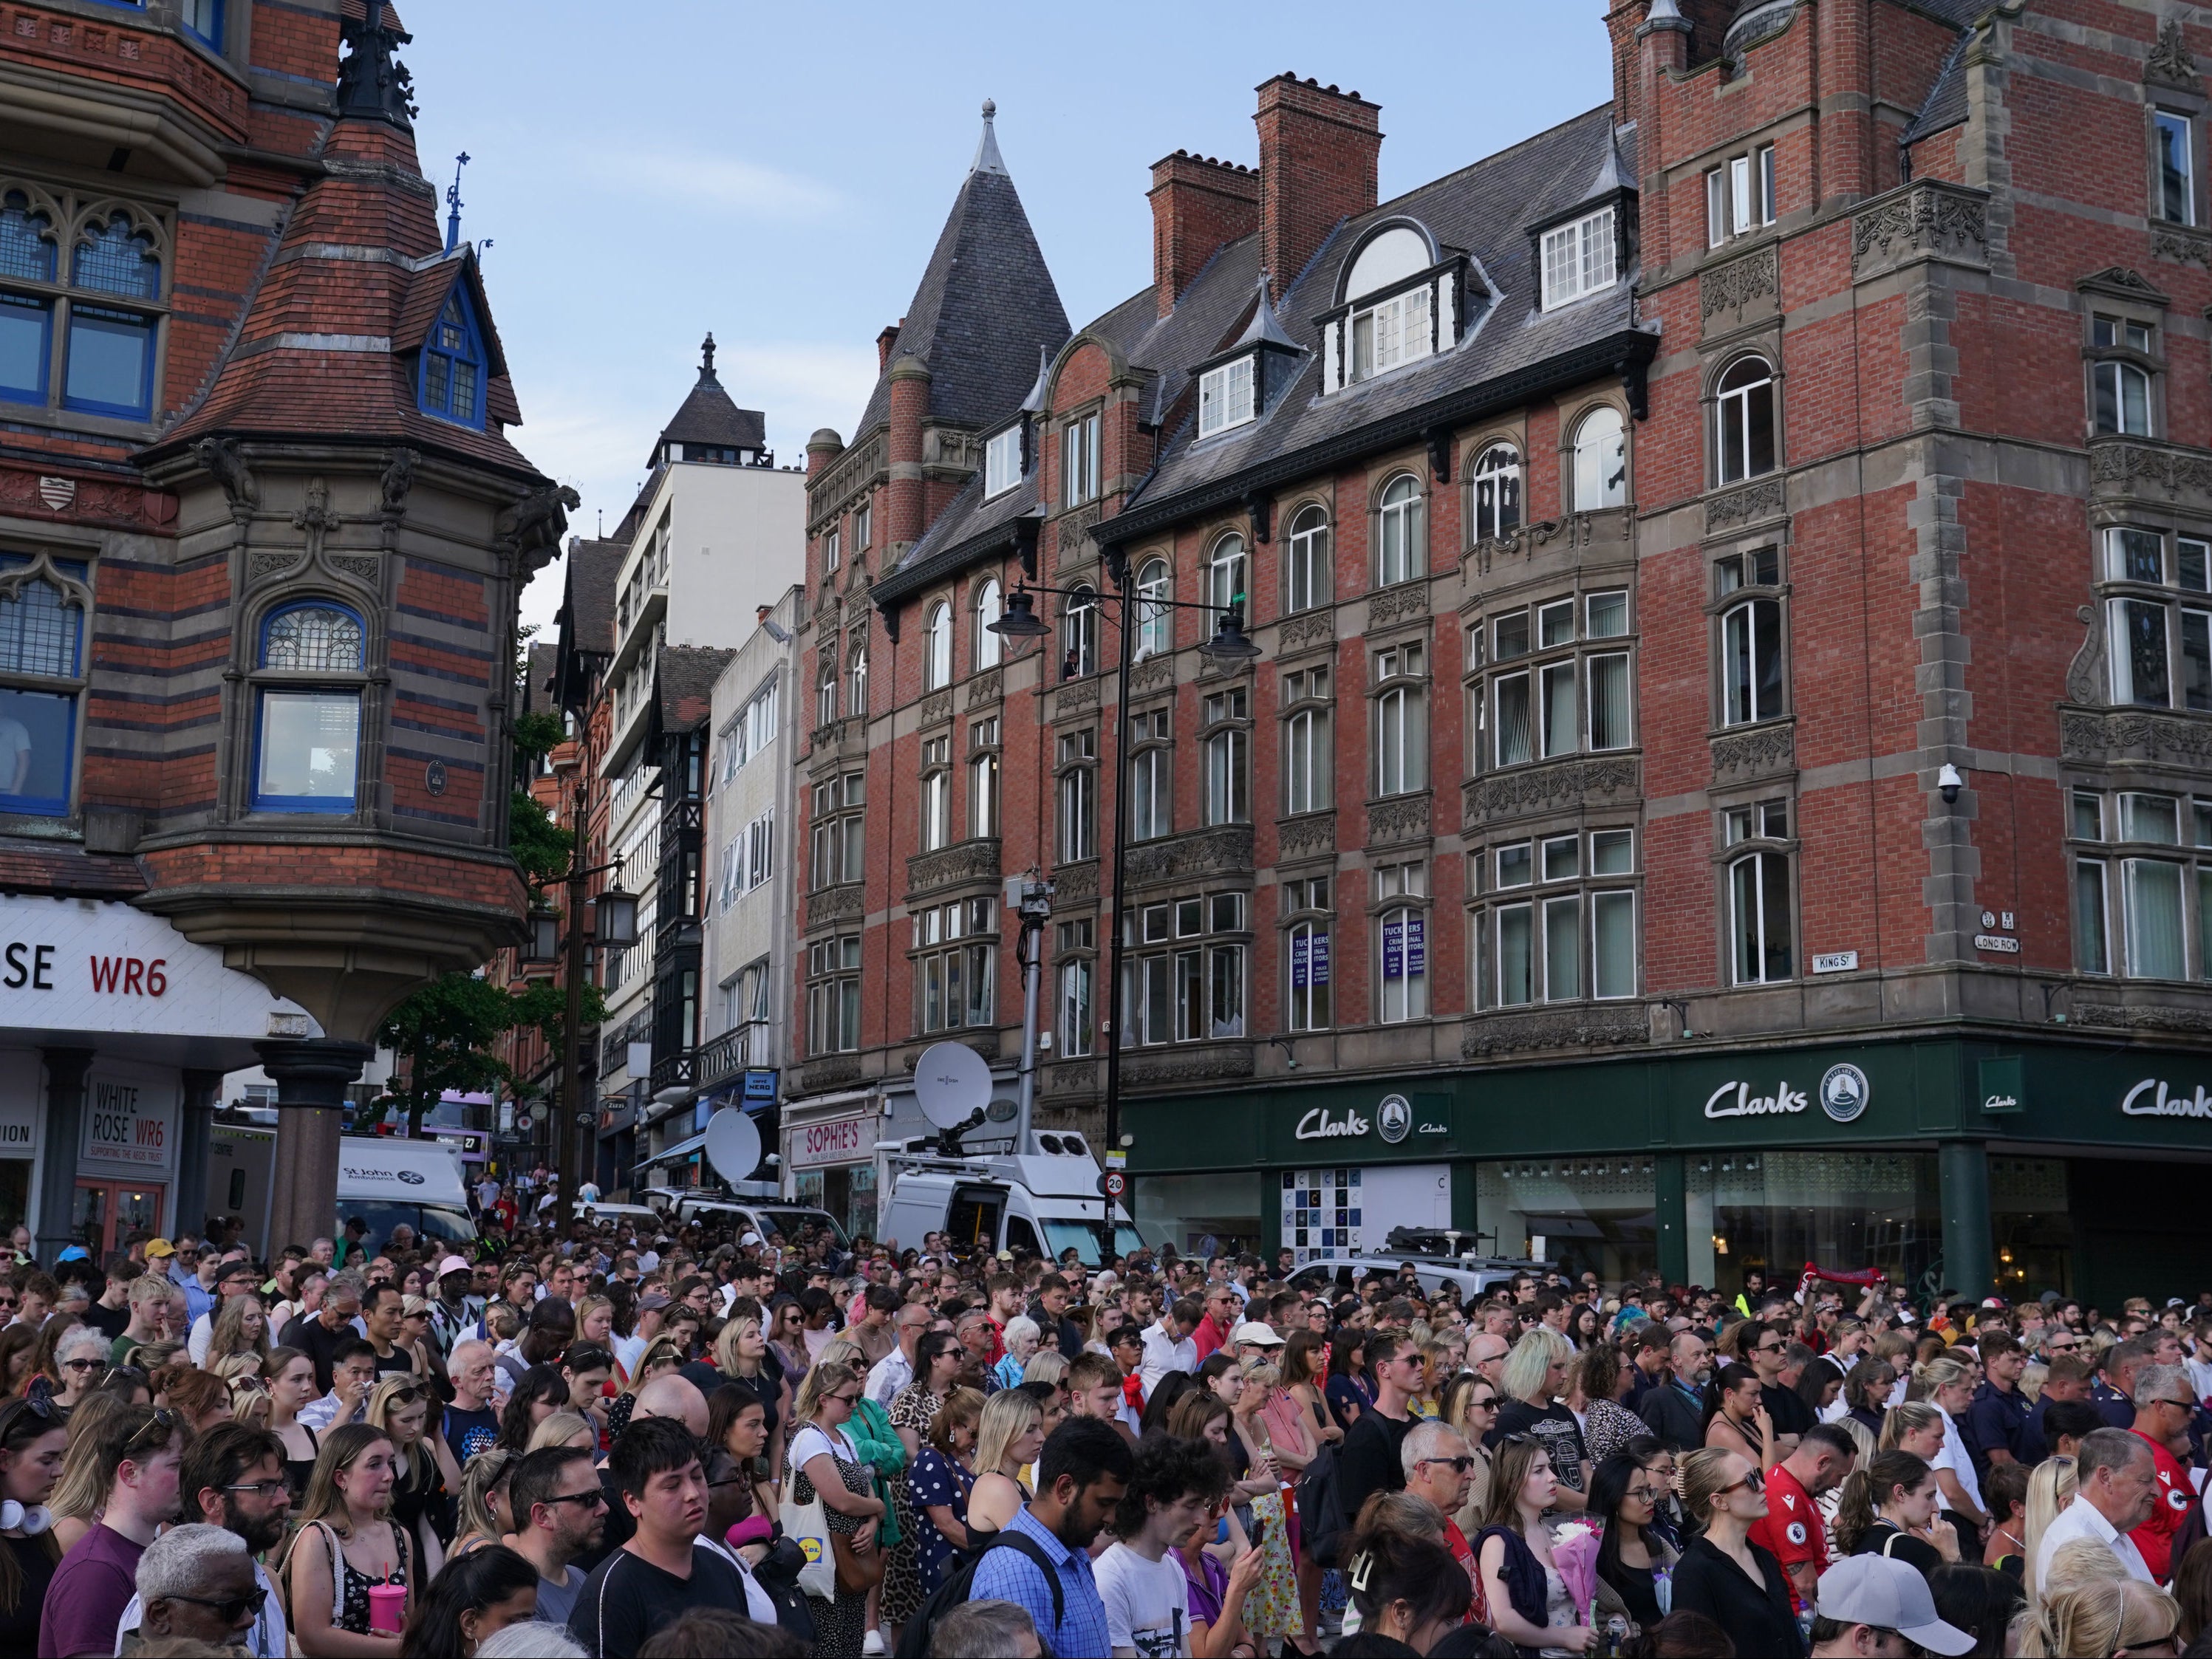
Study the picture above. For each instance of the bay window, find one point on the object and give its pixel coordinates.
(2143, 884)
(1561, 680)
(956, 963)
(307, 709)
(840, 821)
(1183, 971)
(1557, 923)
(2158, 611)
(833, 995)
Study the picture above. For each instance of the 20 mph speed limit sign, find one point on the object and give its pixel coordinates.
(1114, 1183)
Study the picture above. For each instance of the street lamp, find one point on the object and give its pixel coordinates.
(615, 923)
(1230, 646)
(544, 944)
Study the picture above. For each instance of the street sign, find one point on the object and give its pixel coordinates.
(522, 1122)
(1114, 1183)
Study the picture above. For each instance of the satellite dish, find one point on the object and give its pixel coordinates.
(952, 1084)
(733, 1145)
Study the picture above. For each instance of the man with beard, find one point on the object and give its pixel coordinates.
(1675, 1410)
(1081, 1475)
(560, 1513)
(233, 1478)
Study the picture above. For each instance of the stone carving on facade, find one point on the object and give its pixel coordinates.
(361, 567)
(969, 860)
(843, 481)
(1565, 1028)
(1073, 1077)
(1750, 504)
(2133, 734)
(398, 480)
(2085, 675)
(1075, 883)
(826, 1074)
(227, 467)
(2128, 468)
(2181, 245)
(1396, 604)
(834, 904)
(951, 447)
(2171, 63)
(531, 530)
(266, 564)
(1926, 218)
(986, 687)
(1307, 628)
(1404, 819)
(1153, 674)
(1745, 754)
(1740, 282)
(1074, 697)
(1214, 1063)
(1530, 790)
(1073, 540)
(2120, 1018)
(1226, 850)
(1308, 836)
(937, 708)
(128, 505)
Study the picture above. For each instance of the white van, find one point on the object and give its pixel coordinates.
(1044, 1202)
(386, 1181)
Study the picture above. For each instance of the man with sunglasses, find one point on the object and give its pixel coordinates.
(1440, 1467)
(1371, 1460)
(196, 1583)
(232, 1478)
(560, 1513)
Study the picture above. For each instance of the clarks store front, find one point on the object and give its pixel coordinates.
(2023, 1167)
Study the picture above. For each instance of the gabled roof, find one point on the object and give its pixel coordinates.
(710, 416)
(587, 598)
(985, 303)
(537, 672)
(683, 683)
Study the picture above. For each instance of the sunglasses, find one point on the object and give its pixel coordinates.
(232, 1608)
(1459, 1465)
(162, 1418)
(1753, 1481)
(840, 1398)
(593, 1499)
(84, 1365)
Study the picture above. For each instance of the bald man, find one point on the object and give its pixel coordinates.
(665, 1395)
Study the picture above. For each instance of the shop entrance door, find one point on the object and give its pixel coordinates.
(107, 1212)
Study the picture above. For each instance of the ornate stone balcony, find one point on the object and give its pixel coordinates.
(1226, 850)
(1208, 1062)
(1562, 786)
(1762, 751)
(1597, 1025)
(2139, 472)
(834, 904)
(961, 863)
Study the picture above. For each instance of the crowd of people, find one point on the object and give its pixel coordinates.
(621, 1442)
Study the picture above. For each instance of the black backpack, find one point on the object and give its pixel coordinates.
(914, 1639)
(1321, 1524)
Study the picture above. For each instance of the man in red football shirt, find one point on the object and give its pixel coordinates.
(2164, 1404)
(1791, 1530)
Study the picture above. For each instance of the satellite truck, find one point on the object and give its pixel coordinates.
(994, 1186)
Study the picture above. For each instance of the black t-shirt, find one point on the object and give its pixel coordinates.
(468, 1433)
(1554, 1426)
(627, 1598)
(35, 1562)
(398, 1362)
(1887, 1538)
(1790, 1414)
(308, 1333)
(109, 1322)
(1368, 1462)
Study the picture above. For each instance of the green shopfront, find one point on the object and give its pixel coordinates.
(1943, 1162)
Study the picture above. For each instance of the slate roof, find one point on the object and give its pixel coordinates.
(985, 304)
(683, 683)
(587, 602)
(710, 416)
(1946, 103)
(538, 677)
(328, 346)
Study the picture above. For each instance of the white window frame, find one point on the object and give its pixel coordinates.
(1080, 460)
(1155, 622)
(1391, 332)
(989, 606)
(1580, 259)
(2168, 124)
(1401, 547)
(937, 647)
(1226, 396)
(1494, 490)
(1002, 461)
(1311, 576)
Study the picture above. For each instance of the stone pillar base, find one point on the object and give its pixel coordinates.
(311, 1078)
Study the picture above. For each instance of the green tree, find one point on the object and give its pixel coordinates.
(447, 1033)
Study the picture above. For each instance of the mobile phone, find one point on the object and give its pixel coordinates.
(1259, 1534)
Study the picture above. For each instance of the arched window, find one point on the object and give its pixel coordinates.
(307, 711)
(825, 693)
(1601, 460)
(1225, 574)
(1496, 486)
(41, 677)
(1311, 580)
(1744, 446)
(937, 647)
(1155, 622)
(987, 609)
(27, 240)
(1399, 543)
(859, 680)
(1079, 625)
(117, 258)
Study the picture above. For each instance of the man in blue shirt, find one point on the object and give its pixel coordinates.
(1080, 1474)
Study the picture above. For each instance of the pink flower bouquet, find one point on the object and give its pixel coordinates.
(1574, 1552)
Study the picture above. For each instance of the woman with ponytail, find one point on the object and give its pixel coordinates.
(1722, 1574)
(33, 1442)
(1892, 1506)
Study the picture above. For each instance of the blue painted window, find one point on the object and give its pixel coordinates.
(307, 734)
(27, 253)
(204, 19)
(111, 351)
(454, 365)
(41, 668)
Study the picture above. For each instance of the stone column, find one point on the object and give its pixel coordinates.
(68, 1070)
(1963, 1171)
(311, 1077)
(195, 1125)
(1670, 1176)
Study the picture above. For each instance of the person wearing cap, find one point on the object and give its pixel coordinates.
(454, 1312)
(652, 1313)
(1873, 1608)
(1253, 1340)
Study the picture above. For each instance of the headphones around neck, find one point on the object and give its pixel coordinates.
(31, 1522)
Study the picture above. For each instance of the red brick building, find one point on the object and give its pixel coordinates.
(262, 533)
(1731, 574)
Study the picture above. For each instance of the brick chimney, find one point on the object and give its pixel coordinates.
(885, 341)
(1621, 22)
(1197, 205)
(1317, 155)
(1663, 43)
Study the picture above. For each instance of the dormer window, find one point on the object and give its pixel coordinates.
(1402, 303)
(453, 366)
(1002, 461)
(1580, 259)
(1224, 396)
(1392, 332)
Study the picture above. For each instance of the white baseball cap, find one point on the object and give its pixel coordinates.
(1886, 1594)
(1252, 1331)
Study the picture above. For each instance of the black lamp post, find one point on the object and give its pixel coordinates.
(1229, 644)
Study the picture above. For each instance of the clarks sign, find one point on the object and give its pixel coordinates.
(1318, 1125)
(2153, 1097)
(1843, 1093)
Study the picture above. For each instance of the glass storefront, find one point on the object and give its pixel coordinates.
(2032, 1220)
(1188, 1211)
(1589, 1213)
(847, 1191)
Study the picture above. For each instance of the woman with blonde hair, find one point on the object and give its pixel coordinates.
(1272, 1608)
(1947, 1383)
(2050, 1491)
(1916, 1427)
(1724, 1495)
(421, 1501)
(826, 1462)
(565, 1429)
(938, 1483)
(1533, 1377)
(486, 1516)
(1007, 1440)
(2103, 1620)
(240, 1327)
(346, 1542)
(80, 1495)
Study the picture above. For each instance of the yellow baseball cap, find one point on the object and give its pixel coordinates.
(160, 1247)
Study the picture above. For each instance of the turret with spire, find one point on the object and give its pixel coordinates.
(709, 426)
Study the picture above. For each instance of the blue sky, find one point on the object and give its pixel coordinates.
(649, 171)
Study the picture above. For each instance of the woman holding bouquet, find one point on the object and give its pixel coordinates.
(1527, 1599)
